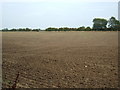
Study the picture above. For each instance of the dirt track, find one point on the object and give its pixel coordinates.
(60, 59)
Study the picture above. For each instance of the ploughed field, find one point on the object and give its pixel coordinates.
(60, 59)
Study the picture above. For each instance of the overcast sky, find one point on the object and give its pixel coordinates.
(55, 13)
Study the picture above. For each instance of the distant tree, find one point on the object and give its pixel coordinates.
(36, 30)
(51, 29)
(5, 29)
(61, 29)
(65, 29)
(81, 28)
(21, 29)
(88, 29)
(113, 24)
(99, 24)
(13, 29)
(27, 29)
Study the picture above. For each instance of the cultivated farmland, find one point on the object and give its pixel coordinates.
(60, 59)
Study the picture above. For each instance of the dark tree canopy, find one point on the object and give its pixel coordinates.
(113, 24)
(99, 23)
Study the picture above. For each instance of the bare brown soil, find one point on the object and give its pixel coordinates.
(60, 59)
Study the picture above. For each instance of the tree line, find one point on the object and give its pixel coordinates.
(21, 29)
(99, 24)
